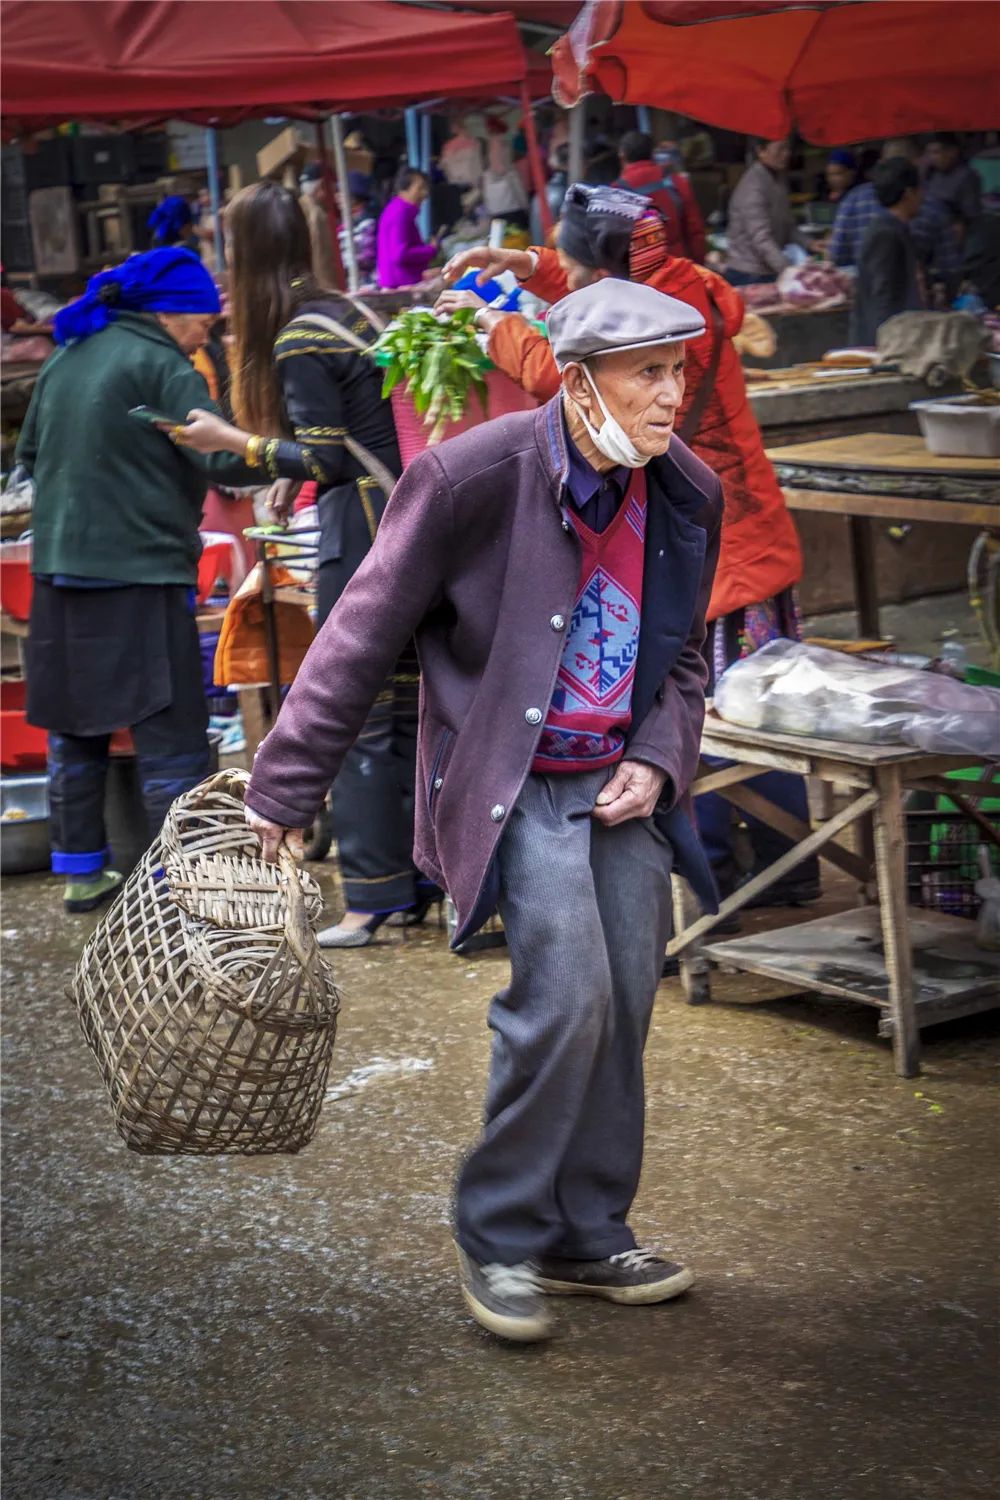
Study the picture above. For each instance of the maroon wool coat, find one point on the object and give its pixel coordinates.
(477, 558)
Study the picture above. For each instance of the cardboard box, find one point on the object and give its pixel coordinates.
(289, 149)
(52, 212)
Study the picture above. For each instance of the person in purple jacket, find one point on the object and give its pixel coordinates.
(554, 567)
(402, 256)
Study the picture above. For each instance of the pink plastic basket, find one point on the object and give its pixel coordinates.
(503, 397)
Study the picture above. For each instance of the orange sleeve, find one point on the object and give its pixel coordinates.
(206, 370)
(549, 281)
(523, 354)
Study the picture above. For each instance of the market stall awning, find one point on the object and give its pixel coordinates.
(220, 60)
(553, 13)
(835, 70)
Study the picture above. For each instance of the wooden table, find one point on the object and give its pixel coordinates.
(918, 968)
(804, 403)
(885, 476)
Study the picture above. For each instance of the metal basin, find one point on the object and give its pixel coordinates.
(24, 842)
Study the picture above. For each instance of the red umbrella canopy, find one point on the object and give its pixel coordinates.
(222, 59)
(835, 70)
(556, 13)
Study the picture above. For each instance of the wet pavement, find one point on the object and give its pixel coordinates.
(290, 1328)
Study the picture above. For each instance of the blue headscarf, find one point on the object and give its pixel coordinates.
(169, 218)
(841, 157)
(171, 280)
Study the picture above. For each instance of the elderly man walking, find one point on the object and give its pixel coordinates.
(555, 567)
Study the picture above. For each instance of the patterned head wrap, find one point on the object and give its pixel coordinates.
(648, 246)
(612, 229)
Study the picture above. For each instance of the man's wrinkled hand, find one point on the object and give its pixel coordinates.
(632, 792)
(273, 835)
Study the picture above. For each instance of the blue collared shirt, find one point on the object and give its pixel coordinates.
(932, 230)
(596, 497)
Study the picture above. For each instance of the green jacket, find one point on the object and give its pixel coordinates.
(114, 498)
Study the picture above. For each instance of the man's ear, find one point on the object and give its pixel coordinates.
(576, 385)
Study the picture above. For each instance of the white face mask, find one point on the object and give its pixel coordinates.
(612, 440)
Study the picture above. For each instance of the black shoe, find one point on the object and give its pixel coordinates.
(633, 1276)
(417, 914)
(784, 893)
(505, 1299)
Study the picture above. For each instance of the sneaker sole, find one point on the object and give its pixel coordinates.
(518, 1330)
(94, 903)
(633, 1296)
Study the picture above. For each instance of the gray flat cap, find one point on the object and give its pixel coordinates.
(612, 315)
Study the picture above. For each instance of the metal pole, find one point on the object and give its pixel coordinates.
(577, 126)
(340, 161)
(642, 119)
(535, 160)
(212, 161)
(425, 167)
(270, 630)
(411, 120)
(332, 212)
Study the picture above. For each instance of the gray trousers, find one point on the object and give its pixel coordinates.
(587, 914)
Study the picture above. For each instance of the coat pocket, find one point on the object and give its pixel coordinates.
(441, 755)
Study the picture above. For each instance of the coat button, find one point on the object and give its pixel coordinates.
(558, 622)
(438, 783)
(498, 813)
(533, 715)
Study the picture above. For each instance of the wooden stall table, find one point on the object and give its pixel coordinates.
(885, 476)
(803, 403)
(916, 967)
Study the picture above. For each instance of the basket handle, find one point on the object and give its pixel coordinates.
(298, 933)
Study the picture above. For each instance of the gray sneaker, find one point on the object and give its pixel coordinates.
(633, 1276)
(505, 1299)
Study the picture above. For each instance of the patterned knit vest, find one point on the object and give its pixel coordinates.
(591, 707)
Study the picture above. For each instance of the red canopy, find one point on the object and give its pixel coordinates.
(545, 12)
(835, 70)
(222, 59)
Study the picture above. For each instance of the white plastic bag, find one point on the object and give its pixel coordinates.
(797, 689)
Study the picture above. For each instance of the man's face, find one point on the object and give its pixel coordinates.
(578, 276)
(776, 155)
(942, 157)
(190, 330)
(642, 389)
(838, 177)
(910, 202)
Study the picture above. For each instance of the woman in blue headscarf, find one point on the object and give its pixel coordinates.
(172, 222)
(112, 641)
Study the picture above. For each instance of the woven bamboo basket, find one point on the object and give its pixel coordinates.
(203, 994)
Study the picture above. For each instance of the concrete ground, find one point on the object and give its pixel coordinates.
(921, 625)
(290, 1328)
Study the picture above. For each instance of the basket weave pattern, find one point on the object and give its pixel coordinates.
(203, 993)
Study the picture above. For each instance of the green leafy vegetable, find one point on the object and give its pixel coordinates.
(440, 362)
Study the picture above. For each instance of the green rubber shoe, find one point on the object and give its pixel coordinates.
(88, 895)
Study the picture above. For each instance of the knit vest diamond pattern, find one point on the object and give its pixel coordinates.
(591, 708)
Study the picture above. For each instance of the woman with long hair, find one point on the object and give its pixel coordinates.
(300, 378)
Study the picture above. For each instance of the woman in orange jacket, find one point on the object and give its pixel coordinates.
(611, 232)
